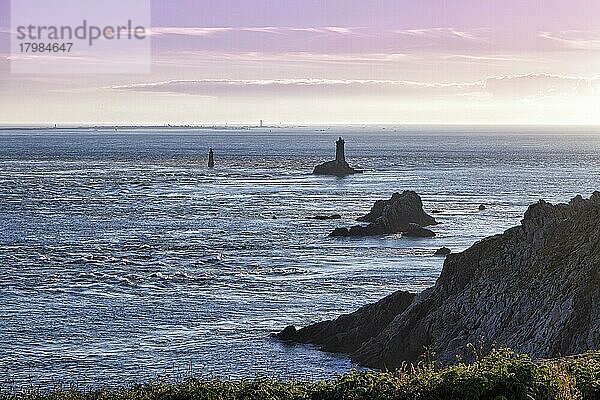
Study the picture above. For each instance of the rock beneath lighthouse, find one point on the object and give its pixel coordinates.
(338, 167)
(335, 168)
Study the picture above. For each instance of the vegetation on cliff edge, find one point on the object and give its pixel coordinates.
(502, 375)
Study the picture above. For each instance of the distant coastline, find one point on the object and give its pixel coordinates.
(135, 127)
(323, 127)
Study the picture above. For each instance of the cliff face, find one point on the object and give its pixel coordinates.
(535, 288)
(349, 332)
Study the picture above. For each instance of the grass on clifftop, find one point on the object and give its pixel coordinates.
(502, 375)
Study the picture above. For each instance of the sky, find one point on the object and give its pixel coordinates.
(336, 62)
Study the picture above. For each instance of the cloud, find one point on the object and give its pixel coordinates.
(477, 35)
(373, 39)
(515, 87)
(543, 86)
(190, 58)
(575, 40)
(322, 39)
(186, 31)
(190, 31)
(485, 58)
(282, 30)
(291, 86)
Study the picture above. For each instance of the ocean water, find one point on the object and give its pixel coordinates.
(123, 258)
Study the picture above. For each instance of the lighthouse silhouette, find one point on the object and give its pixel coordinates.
(340, 154)
(211, 158)
(338, 167)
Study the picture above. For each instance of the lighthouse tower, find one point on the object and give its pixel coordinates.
(340, 154)
(338, 167)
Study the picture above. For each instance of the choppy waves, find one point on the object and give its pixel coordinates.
(123, 257)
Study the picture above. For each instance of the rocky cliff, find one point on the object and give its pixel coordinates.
(347, 333)
(534, 288)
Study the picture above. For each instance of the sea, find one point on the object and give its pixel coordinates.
(123, 258)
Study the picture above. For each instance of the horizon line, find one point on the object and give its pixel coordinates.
(278, 125)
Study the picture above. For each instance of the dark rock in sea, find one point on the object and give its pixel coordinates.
(400, 210)
(287, 334)
(326, 217)
(338, 167)
(399, 214)
(444, 251)
(340, 232)
(359, 230)
(335, 168)
(535, 288)
(348, 332)
(416, 230)
(436, 211)
(482, 207)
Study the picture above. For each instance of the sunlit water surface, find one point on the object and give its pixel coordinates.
(124, 258)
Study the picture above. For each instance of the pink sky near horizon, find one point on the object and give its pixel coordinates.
(337, 61)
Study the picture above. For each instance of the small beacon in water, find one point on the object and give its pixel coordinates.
(211, 158)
